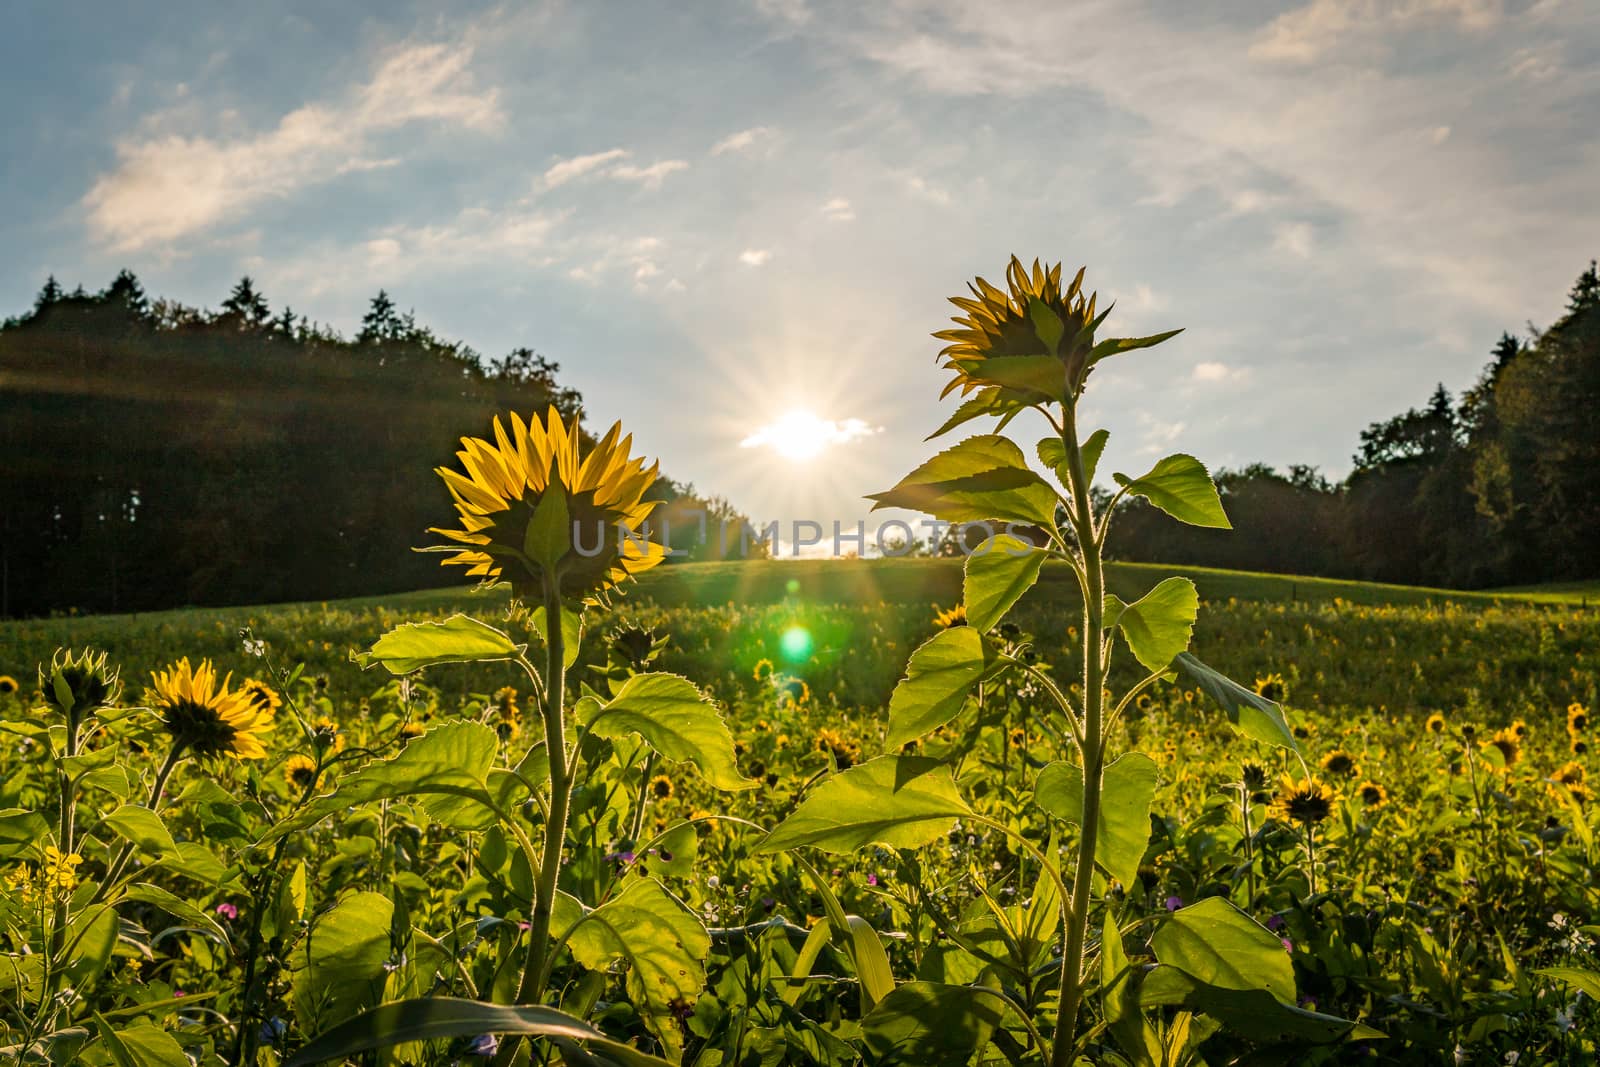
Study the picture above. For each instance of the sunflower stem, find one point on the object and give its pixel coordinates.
(1092, 743)
(124, 855)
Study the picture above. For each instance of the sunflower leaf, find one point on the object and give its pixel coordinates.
(1251, 714)
(1127, 787)
(899, 801)
(1180, 486)
(982, 478)
(1117, 345)
(996, 576)
(676, 720)
(939, 675)
(412, 646)
(1158, 625)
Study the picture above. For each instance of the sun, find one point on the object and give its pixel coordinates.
(800, 435)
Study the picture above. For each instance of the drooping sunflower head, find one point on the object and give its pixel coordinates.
(1306, 800)
(536, 507)
(1030, 342)
(956, 616)
(1254, 777)
(1508, 744)
(505, 702)
(204, 716)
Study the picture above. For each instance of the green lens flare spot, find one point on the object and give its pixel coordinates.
(796, 644)
(793, 586)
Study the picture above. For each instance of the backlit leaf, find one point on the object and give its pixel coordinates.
(1180, 486)
(899, 801)
(939, 675)
(1251, 714)
(997, 574)
(929, 1024)
(1127, 787)
(676, 720)
(459, 639)
(1158, 625)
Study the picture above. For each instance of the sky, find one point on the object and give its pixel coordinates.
(717, 215)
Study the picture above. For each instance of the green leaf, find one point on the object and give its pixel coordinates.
(177, 907)
(1217, 944)
(861, 941)
(676, 720)
(1041, 376)
(1251, 1013)
(437, 1018)
(1046, 324)
(1180, 486)
(1119, 989)
(336, 970)
(143, 827)
(459, 639)
(140, 1046)
(662, 942)
(1252, 715)
(987, 401)
(982, 478)
(997, 574)
(939, 675)
(1158, 625)
(1127, 787)
(571, 632)
(899, 801)
(20, 831)
(449, 766)
(292, 899)
(548, 537)
(1588, 981)
(1091, 449)
(929, 1024)
(1116, 345)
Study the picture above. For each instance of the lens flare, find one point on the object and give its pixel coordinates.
(796, 644)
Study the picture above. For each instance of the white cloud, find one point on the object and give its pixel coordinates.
(739, 142)
(923, 188)
(838, 210)
(650, 177)
(565, 170)
(1306, 34)
(1440, 134)
(1294, 238)
(801, 435)
(755, 257)
(170, 185)
(1211, 371)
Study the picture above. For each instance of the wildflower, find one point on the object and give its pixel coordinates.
(59, 869)
(325, 734)
(1018, 737)
(300, 771)
(763, 670)
(79, 684)
(8, 685)
(1435, 724)
(1339, 763)
(1519, 729)
(1569, 773)
(501, 501)
(1173, 903)
(227, 911)
(484, 1045)
(1373, 794)
(1507, 744)
(262, 695)
(845, 753)
(661, 787)
(1001, 325)
(1577, 718)
(1307, 801)
(1272, 687)
(204, 716)
(956, 616)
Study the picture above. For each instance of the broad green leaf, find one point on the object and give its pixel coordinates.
(861, 941)
(664, 945)
(336, 969)
(292, 899)
(140, 1046)
(1253, 715)
(676, 720)
(143, 828)
(1158, 625)
(1053, 454)
(571, 632)
(982, 478)
(20, 832)
(1119, 981)
(218, 813)
(176, 907)
(928, 1024)
(548, 536)
(1251, 1013)
(92, 937)
(1180, 486)
(1042, 376)
(1046, 324)
(899, 801)
(447, 769)
(438, 1018)
(1092, 448)
(939, 675)
(997, 574)
(1588, 981)
(459, 639)
(1218, 945)
(1116, 345)
(1127, 787)
(986, 401)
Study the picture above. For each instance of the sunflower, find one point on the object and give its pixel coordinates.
(1435, 723)
(84, 681)
(1003, 341)
(1373, 795)
(1306, 800)
(411, 729)
(1508, 744)
(325, 733)
(1017, 738)
(845, 753)
(261, 695)
(661, 787)
(1519, 729)
(1569, 772)
(301, 772)
(505, 702)
(763, 670)
(1340, 764)
(1579, 792)
(591, 538)
(204, 716)
(8, 685)
(956, 616)
(1577, 718)
(1253, 777)
(1272, 687)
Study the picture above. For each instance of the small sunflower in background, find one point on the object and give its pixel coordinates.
(8, 685)
(1569, 773)
(956, 616)
(1340, 764)
(505, 702)
(1577, 718)
(410, 729)
(204, 716)
(845, 752)
(325, 734)
(1508, 744)
(661, 787)
(1519, 729)
(1306, 801)
(300, 771)
(1017, 737)
(1373, 794)
(1272, 687)
(1253, 777)
(262, 695)
(1435, 724)
(763, 670)
(505, 485)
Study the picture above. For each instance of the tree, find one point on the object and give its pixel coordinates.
(245, 309)
(382, 322)
(126, 294)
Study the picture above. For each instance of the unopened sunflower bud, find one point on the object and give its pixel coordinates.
(79, 684)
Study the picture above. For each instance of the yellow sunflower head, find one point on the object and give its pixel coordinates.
(1272, 687)
(536, 507)
(661, 787)
(300, 771)
(1577, 718)
(8, 685)
(1508, 744)
(1340, 764)
(1435, 723)
(1307, 800)
(261, 695)
(1373, 794)
(956, 616)
(204, 716)
(325, 734)
(1029, 343)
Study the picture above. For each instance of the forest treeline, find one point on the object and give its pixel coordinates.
(160, 455)
(1500, 486)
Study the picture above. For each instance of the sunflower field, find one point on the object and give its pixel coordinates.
(556, 820)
